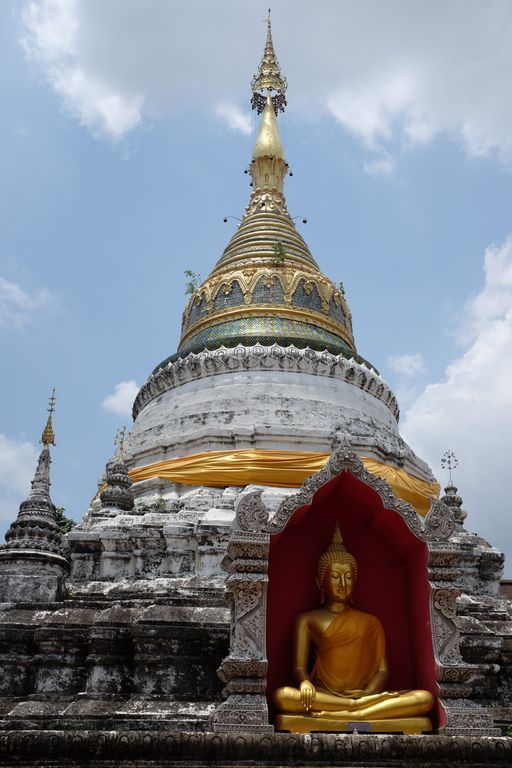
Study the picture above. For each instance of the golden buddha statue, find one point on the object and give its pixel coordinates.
(347, 682)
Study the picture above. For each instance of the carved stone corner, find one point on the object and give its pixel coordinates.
(242, 713)
(251, 514)
(465, 718)
(445, 632)
(244, 670)
(439, 523)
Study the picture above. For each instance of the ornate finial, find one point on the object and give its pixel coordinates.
(268, 78)
(119, 440)
(335, 553)
(48, 436)
(450, 461)
(451, 498)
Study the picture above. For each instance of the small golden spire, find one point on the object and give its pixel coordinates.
(268, 78)
(119, 440)
(48, 436)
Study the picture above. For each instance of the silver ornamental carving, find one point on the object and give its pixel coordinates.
(275, 357)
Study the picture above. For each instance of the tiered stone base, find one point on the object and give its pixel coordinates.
(412, 726)
(142, 748)
(114, 713)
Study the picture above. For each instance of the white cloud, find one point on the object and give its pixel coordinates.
(370, 108)
(17, 306)
(381, 162)
(406, 365)
(385, 71)
(17, 465)
(96, 104)
(122, 400)
(408, 80)
(52, 33)
(470, 411)
(235, 119)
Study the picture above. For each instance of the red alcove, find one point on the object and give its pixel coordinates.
(392, 583)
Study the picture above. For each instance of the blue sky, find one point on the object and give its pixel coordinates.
(126, 128)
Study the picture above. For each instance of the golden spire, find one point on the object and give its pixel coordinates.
(268, 167)
(48, 436)
(268, 141)
(268, 77)
(266, 287)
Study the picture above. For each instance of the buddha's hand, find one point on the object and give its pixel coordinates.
(307, 694)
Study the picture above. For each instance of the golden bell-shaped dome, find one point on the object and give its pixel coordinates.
(267, 288)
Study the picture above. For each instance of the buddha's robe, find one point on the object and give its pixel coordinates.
(351, 652)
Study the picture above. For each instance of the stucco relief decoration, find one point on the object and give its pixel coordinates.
(247, 279)
(440, 522)
(344, 459)
(275, 357)
(244, 670)
(446, 635)
(251, 512)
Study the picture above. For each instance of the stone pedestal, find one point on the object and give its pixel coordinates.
(32, 561)
(31, 577)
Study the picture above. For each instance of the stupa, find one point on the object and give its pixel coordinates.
(264, 430)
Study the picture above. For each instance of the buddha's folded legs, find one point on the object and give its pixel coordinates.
(405, 704)
(387, 704)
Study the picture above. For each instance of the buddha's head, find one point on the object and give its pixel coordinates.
(336, 571)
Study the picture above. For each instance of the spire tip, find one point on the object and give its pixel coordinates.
(268, 78)
(48, 436)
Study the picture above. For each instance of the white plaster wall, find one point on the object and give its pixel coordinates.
(271, 409)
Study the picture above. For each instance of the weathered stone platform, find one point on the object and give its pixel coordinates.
(143, 748)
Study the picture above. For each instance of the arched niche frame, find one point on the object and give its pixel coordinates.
(415, 567)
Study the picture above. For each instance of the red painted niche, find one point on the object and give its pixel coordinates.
(392, 582)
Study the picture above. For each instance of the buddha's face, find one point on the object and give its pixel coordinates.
(339, 582)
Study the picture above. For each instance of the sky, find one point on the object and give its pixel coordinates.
(125, 133)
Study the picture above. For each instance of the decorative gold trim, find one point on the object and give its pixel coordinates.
(289, 277)
(246, 258)
(264, 221)
(270, 310)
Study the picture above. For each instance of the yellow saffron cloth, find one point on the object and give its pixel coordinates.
(284, 469)
(350, 653)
